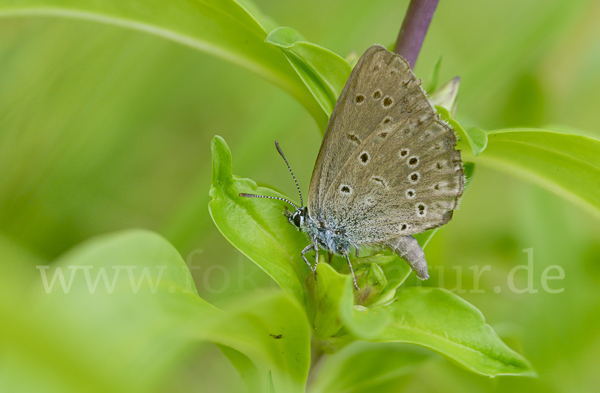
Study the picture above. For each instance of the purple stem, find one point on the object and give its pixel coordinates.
(413, 30)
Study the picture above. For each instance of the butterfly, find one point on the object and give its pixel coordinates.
(387, 167)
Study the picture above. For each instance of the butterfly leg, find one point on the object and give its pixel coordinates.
(357, 253)
(352, 271)
(307, 249)
(316, 247)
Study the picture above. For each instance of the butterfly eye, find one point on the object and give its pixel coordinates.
(297, 219)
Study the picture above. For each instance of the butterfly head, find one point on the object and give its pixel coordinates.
(298, 218)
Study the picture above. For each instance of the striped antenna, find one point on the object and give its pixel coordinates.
(267, 197)
(292, 172)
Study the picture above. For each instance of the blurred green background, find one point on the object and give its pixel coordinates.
(103, 128)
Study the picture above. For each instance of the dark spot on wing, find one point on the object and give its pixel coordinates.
(345, 189)
(354, 138)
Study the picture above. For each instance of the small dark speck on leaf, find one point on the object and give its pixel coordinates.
(276, 337)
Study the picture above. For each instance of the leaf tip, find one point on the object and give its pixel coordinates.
(221, 160)
(479, 138)
(284, 37)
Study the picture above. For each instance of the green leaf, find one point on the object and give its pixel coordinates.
(395, 270)
(568, 165)
(270, 384)
(256, 226)
(248, 371)
(442, 321)
(324, 72)
(128, 306)
(324, 301)
(334, 302)
(371, 280)
(368, 367)
(272, 331)
(222, 28)
(363, 322)
(477, 139)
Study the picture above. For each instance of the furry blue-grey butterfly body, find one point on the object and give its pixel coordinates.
(328, 238)
(387, 167)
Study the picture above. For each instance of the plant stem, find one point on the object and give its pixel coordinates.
(414, 28)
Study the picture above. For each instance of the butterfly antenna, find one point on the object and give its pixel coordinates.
(292, 172)
(267, 197)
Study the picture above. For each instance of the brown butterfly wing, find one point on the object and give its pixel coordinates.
(387, 165)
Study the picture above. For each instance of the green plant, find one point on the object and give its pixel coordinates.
(269, 337)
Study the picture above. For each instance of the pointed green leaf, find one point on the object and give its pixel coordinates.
(256, 226)
(325, 294)
(396, 273)
(442, 321)
(324, 72)
(128, 306)
(368, 367)
(568, 165)
(222, 28)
